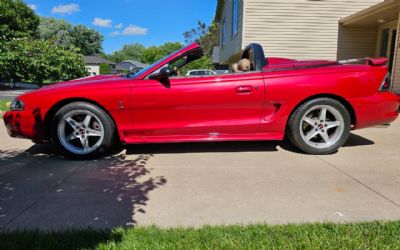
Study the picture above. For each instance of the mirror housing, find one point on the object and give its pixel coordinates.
(162, 76)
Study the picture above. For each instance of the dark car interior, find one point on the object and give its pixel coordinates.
(252, 59)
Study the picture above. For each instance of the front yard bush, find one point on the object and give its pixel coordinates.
(38, 61)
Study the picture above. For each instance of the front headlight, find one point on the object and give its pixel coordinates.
(17, 105)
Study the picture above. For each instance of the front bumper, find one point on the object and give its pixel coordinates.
(25, 124)
(381, 108)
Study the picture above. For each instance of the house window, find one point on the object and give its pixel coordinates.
(223, 32)
(235, 17)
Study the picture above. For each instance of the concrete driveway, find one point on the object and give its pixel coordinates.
(201, 183)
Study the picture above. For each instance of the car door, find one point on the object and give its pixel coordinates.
(206, 106)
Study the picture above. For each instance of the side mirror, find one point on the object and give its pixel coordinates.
(162, 75)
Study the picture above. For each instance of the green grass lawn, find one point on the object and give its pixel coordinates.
(4, 105)
(373, 235)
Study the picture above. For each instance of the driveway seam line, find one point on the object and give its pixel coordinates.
(52, 188)
(360, 182)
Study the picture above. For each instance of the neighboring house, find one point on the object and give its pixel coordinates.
(93, 64)
(129, 65)
(312, 29)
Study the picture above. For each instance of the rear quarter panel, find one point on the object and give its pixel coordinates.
(286, 89)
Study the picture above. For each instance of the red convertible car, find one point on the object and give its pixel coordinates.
(314, 103)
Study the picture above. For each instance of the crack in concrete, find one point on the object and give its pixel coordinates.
(359, 182)
(52, 189)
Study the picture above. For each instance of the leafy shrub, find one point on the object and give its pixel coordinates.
(38, 61)
(105, 69)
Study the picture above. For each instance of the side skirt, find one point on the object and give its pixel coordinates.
(203, 138)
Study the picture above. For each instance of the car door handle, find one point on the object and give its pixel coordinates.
(244, 89)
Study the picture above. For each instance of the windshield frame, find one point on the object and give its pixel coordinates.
(142, 74)
(134, 76)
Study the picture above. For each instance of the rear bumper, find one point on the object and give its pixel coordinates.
(25, 124)
(381, 108)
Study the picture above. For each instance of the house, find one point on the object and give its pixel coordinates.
(93, 64)
(129, 65)
(312, 29)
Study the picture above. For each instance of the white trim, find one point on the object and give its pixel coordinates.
(243, 24)
(384, 6)
(395, 62)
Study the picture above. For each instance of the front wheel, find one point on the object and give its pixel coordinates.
(82, 130)
(320, 126)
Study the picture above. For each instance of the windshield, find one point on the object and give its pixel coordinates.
(134, 75)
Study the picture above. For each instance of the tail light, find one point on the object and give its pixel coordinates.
(386, 83)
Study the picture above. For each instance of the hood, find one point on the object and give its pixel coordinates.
(78, 84)
(86, 81)
(94, 78)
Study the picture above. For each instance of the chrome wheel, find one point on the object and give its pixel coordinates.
(80, 132)
(322, 126)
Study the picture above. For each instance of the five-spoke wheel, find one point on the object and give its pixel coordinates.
(319, 126)
(83, 130)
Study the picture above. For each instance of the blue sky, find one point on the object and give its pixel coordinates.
(150, 22)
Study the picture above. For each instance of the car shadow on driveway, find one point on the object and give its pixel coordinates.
(234, 146)
(40, 190)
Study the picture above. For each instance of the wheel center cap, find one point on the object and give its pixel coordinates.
(321, 126)
(81, 131)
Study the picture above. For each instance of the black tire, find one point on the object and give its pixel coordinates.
(295, 120)
(104, 145)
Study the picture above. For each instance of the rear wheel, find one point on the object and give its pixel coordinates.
(319, 126)
(82, 130)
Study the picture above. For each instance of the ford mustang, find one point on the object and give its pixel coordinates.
(315, 103)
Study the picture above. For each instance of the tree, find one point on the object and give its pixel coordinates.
(169, 47)
(203, 63)
(38, 61)
(128, 52)
(55, 29)
(137, 51)
(194, 34)
(89, 41)
(207, 37)
(17, 20)
(154, 53)
(105, 69)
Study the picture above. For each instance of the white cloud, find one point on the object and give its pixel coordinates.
(119, 26)
(134, 30)
(102, 22)
(131, 30)
(66, 9)
(33, 6)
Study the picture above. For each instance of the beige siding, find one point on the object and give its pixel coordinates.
(301, 29)
(233, 44)
(356, 42)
